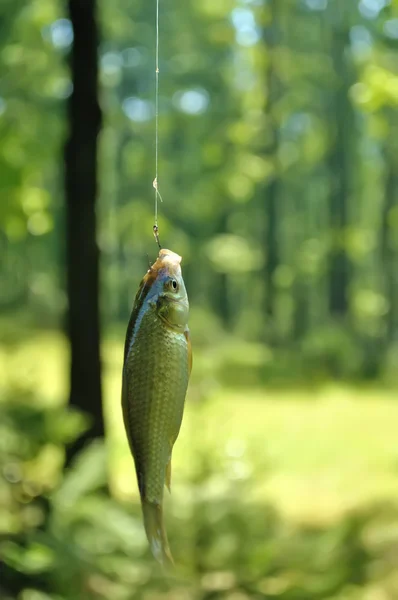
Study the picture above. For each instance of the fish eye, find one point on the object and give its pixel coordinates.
(172, 285)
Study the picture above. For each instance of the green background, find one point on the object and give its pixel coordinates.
(279, 173)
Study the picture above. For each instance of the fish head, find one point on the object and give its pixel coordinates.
(168, 290)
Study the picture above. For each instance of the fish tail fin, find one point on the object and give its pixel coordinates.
(156, 532)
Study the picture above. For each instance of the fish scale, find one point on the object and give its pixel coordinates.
(159, 393)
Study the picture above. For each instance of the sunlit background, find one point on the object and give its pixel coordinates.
(278, 169)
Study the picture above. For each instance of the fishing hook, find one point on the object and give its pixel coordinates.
(156, 235)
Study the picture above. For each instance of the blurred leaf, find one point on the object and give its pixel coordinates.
(233, 254)
(87, 474)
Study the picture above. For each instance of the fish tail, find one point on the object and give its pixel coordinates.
(156, 532)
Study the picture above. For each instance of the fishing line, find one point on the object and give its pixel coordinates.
(156, 181)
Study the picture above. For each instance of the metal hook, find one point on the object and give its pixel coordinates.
(156, 235)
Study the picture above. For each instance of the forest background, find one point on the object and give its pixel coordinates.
(279, 172)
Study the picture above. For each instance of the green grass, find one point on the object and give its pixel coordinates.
(314, 455)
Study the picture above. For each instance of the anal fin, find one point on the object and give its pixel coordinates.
(168, 475)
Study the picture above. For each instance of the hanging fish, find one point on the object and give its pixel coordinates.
(157, 365)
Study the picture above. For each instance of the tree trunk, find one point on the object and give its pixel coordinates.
(388, 244)
(219, 291)
(82, 250)
(271, 191)
(339, 266)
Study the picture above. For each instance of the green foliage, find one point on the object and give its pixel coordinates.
(70, 539)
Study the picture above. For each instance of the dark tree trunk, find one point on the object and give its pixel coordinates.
(271, 244)
(271, 248)
(82, 249)
(343, 121)
(220, 286)
(388, 244)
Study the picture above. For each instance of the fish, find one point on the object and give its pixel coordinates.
(156, 369)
